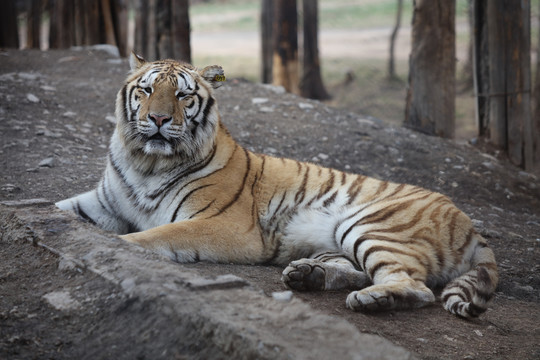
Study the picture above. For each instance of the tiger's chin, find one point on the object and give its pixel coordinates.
(158, 147)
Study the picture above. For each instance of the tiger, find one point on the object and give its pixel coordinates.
(177, 183)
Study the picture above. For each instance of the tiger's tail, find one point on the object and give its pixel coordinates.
(468, 295)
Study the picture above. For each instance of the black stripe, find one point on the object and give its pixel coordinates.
(380, 265)
(204, 120)
(380, 248)
(124, 104)
(326, 187)
(331, 199)
(274, 215)
(300, 195)
(475, 310)
(206, 111)
(98, 196)
(165, 188)
(185, 198)
(241, 189)
(203, 209)
(84, 215)
(200, 99)
(121, 176)
(447, 296)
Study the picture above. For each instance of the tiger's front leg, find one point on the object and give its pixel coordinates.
(208, 240)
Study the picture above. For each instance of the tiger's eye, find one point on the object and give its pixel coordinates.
(148, 90)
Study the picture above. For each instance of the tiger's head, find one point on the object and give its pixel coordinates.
(167, 108)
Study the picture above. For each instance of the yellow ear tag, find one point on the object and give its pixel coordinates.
(219, 78)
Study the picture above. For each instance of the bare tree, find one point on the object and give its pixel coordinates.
(311, 85)
(285, 44)
(181, 30)
(430, 104)
(503, 78)
(391, 58)
(267, 22)
(162, 29)
(33, 23)
(88, 22)
(9, 36)
(536, 116)
(108, 26)
(62, 28)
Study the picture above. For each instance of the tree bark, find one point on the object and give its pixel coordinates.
(62, 32)
(151, 32)
(467, 69)
(391, 58)
(311, 85)
(108, 28)
(163, 30)
(536, 117)
(141, 28)
(91, 22)
(181, 30)
(33, 24)
(430, 104)
(481, 66)
(267, 19)
(510, 80)
(9, 36)
(119, 10)
(285, 44)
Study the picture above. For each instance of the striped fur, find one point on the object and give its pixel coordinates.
(176, 182)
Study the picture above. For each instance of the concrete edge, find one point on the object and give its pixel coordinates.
(225, 312)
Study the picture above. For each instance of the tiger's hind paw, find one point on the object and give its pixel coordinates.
(389, 297)
(370, 301)
(304, 275)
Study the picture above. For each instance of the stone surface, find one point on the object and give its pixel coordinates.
(234, 319)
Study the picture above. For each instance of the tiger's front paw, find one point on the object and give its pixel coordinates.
(304, 274)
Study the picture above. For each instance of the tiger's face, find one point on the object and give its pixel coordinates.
(167, 108)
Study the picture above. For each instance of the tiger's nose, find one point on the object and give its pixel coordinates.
(159, 120)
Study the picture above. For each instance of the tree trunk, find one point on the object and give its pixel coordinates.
(181, 30)
(33, 24)
(481, 66)
(285, 43)
(141, 28)
(509, 79)
(80, 29)
(391, 58)
(163, 30)
(108, 29)
(536, 116)
(91, 22)
(9, 36)
(150, 30)
(430, 104)
(119, 11)
(267, 18)
(311, 85)
(467, 69)
(62, 33)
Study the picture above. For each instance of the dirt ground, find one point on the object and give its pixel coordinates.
(55, 120)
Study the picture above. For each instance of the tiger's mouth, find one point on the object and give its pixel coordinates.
(158, 137)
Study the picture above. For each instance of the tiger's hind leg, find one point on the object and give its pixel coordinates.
(324, 271)
(398, 290)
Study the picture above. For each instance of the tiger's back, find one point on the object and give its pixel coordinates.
(176, 182)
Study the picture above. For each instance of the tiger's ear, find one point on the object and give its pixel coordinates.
(136, 61)
(214, 74)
